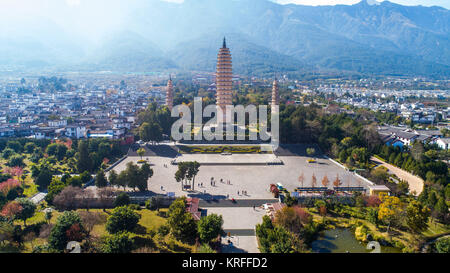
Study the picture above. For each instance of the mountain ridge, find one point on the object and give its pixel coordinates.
(384, 38)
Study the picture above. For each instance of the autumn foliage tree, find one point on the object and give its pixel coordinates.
(337, 181)
(390, 209)
(11, 209)
(417, 216)
(325, 181)
(313, 181)
(301, 179)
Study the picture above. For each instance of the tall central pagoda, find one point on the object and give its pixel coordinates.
(224, 79)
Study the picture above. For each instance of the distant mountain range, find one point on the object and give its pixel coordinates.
(264, 37)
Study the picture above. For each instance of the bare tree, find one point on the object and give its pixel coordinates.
(91, 219)
(314, 181)
(68, 198)
(105, 197)
(86, 198)
(301, 179)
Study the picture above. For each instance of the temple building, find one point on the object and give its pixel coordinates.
(224, 79)
(169, 94)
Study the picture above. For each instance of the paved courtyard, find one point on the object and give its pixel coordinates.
(254, 179)
(239, 218)
(240, 223)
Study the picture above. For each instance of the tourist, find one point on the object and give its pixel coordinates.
(238, 192)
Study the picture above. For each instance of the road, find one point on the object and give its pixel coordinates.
(415, 183)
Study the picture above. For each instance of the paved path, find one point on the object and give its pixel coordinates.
(415, 183)
(240, 244)
(240, 222)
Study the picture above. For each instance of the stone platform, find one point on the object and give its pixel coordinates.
(230, 159)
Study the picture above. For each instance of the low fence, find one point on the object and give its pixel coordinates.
(355, 173)
(107, 203)
(364, 179)
(309, 201)
(337, 163)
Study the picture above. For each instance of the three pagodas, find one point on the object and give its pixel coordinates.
(224, 83)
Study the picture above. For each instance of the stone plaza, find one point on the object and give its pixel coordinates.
(247, 172)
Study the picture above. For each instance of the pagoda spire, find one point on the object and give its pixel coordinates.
(224, 45)
(169, 93)
(275, 92)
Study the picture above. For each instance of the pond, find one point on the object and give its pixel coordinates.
(342, 241)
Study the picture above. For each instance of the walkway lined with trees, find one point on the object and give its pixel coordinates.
(415, 183)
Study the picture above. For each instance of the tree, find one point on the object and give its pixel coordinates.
(209, 227)
(417, 216)
(84, 162)
(293, 219)
(417, 150)
(44, 178)
(117, 243)
(301, 179)
(113, 178)
(100, 179)
(6, 232)
(85, 177)
(310, 151)
(16, 161)
(90, 219)
(28, 209)
(30, 147)
(141, 152)
(122, 200)
(442, 245)
(182, 224)
(58, 238)
(14, 145)
(390, 209)
(379, 175)
(150, 132)
(313, 181)
(55, 187)
(7, 153)
(122, 179)
(106, 197)
(180, 174)
(441, 209)
(337, 181)
(145, 173)
(122, 219)
(325, 181)
(192, 171)
(11, 209)
(68, 198)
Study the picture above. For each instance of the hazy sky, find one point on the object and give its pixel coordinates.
(442, 3)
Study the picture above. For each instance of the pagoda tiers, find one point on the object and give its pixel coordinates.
(275, 95)
(169, 94)
(224, 79)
